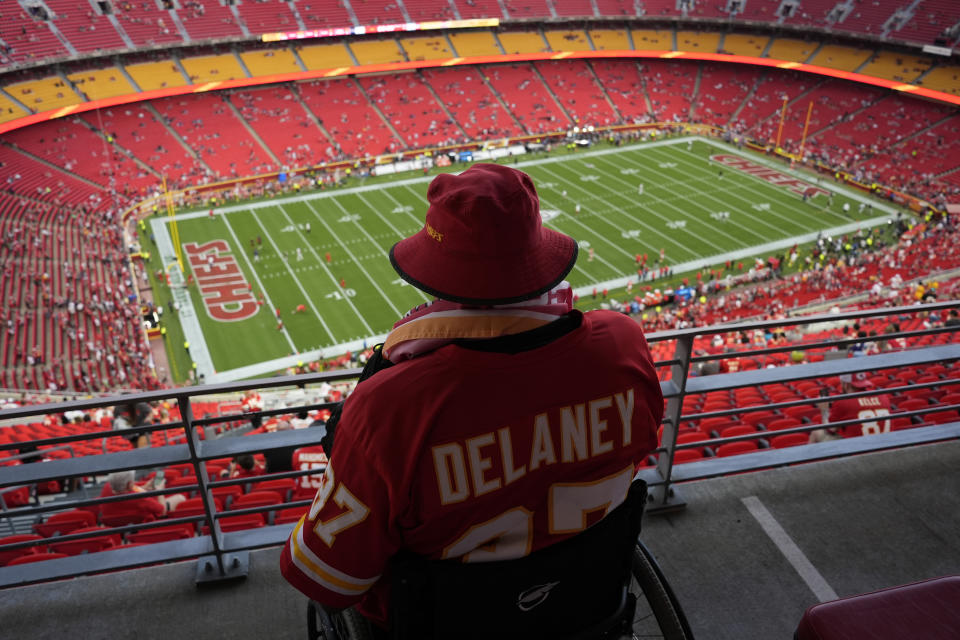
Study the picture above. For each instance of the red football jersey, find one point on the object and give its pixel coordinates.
(306, 458)
(477, 455)
(859, 408)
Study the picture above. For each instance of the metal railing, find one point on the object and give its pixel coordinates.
(223, 554)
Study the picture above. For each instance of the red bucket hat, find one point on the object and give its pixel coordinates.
(483, 242)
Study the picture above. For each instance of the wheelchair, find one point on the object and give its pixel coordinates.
(602, 584)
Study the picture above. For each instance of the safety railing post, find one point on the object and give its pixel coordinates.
(665, 496)
(228, 566)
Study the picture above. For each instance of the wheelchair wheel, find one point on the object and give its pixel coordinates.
(342, 625)
(353, 626)
(658, 613)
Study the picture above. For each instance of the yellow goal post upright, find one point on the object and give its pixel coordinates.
(174, 231)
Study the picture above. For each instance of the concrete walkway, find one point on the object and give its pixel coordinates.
(746, 557)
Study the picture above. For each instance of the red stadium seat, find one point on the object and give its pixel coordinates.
(912, 404)
(88, 545)
(257, 499)
(227, 494)
(736, 448)
(783, 423)
(36, 557)
(686, 455)
(789, 440)
(7, 556)
(161, 534)
(802, 411)
(64, 522)
(194, 507)
(290, 514)
(738, 430)
(758, 417)
(238, 523)
(283, 487)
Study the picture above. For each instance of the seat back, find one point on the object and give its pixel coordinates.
(578, 588)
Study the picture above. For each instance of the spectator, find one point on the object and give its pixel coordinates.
(143, 509)
(454, 438)
(127, 417)
(852, 409)
(280, 459)
(243, 466)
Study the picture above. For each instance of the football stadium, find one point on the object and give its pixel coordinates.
(201, 205)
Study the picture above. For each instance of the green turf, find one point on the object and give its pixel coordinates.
(687, 208)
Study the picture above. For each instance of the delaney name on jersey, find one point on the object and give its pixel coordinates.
(491, 461)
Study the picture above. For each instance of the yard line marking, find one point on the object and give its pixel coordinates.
(692, 198)
(316, 312)
(624, 211)
(399, 234)
(299, 284)
(684, 214)
(820, 587)
(372, 280)
(256, 276)
(316, 214)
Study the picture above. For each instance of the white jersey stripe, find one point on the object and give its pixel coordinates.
(320, 572)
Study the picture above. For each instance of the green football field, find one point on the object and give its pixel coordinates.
(697, 210)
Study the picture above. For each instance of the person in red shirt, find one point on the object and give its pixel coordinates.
(502, 421)
(875, 407)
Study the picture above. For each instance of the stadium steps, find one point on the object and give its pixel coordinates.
(443, 105)
(643, 88)
(766, 50)
(499, 44)
(179, 65)
(251, 130)
(749, 96)
(140, 163)
(295, 91)
(852, 116)
(376, 109)
(62, 38)
(446, 37)
(352, 14)
(239, 19)
(182, 30)
(296, 54)
(603, 89)
(239, 59)
(176, 136)
(866, 62)
(404, 12)
(797, 100)
(503, 104)
(919, 133)
(126, 74)
(47, 163)
(815, 52)
(696, 91)
(67, 82)
(296, 16)
(556, 100)
(119, 28)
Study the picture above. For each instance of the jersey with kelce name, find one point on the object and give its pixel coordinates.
(876, 408)
(477, 455)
